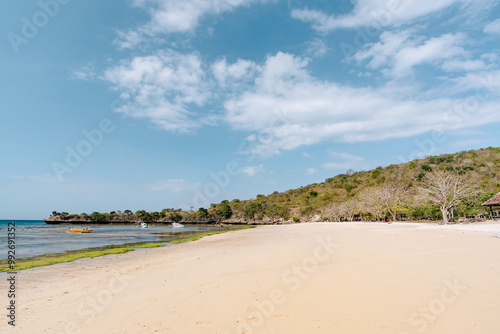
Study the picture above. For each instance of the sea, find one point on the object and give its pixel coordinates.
(35, 237)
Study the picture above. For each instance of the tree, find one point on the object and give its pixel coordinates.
(175, 217)
(97, 217)
(202, 214)
(278, 211)
(155, 216)
(143, 215)
(252, 209)
(225, 211)
(347, 210)
(334, 212)
(388, 198)
(221, 211)
(446, 189)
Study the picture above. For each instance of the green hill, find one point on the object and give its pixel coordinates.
(482, 166)
(355, 192)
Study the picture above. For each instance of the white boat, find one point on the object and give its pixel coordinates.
(144, 225)
(177, 225)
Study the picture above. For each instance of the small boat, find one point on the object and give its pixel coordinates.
(144, 225)
(75, 230)
(177, 225)
(86, 231)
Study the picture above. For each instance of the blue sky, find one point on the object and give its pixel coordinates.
(152, 104)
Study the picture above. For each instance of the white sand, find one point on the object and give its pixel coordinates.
(304, 278)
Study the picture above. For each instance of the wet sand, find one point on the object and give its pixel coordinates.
(303, 278)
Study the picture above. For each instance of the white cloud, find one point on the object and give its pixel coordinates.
(434, 49)
(382, 53)
(400, 52)
(489, 57)
(128, 40)
(484, 84)
(242, 70)
(464, 65)
(284, 107)
(175, 16)
(294, 109)
(317, 48)
(311, 171)
(380, 14)
(162, 88)
(278, 101)
(86, 73)
(253, 170)
(345, 161)
(493, 28)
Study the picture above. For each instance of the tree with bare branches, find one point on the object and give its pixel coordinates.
(347, 210)
(350, 208)
(334, 212)
(388, 198)
(446, 189)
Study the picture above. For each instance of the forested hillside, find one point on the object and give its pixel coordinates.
(394, 191)
(355, 190)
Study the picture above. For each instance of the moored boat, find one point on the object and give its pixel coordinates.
(75, 230)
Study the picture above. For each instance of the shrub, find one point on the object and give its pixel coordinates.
(225, 211)
(427, 168)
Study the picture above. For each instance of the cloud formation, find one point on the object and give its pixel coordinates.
(162, 88)
(380, 14)
(493, 28)
(175, 16)
(294, 109)
(402, 51)
(282, 104)
(253, 170)
(234, 74)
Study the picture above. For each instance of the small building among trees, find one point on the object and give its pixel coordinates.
(494, 201)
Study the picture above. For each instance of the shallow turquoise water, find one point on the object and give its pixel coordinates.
(35, 237)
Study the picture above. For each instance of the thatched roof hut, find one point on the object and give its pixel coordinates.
(494, 201)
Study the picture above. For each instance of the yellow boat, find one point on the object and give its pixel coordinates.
(80, 230)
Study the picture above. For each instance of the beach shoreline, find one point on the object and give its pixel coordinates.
(36, 239)
(309, 277)
(23, 263)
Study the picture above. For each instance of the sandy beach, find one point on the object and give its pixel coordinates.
(303, 278)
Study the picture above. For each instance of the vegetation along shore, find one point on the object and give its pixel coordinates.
(407, 191)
